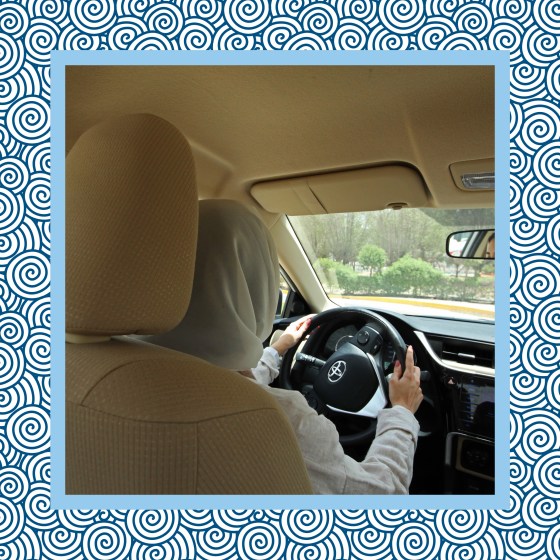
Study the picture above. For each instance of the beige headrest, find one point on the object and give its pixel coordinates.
(131, 227)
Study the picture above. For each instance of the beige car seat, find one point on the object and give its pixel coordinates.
(142, 419)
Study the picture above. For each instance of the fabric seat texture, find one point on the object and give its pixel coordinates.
(142, 419)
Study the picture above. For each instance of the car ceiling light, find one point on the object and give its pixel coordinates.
(475, 181)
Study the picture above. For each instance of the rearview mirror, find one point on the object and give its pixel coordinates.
(474, 244)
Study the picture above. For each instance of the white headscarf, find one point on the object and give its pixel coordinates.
(235, 291)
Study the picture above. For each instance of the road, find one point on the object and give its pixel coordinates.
(431, 307)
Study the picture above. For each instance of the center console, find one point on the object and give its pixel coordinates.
(469, 452)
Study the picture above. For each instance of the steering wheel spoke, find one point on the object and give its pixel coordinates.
(372, 407)
(313, 400)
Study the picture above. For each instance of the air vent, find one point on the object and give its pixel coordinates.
(462, 354)
(472, 355)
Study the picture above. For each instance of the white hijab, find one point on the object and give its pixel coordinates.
(235, 291)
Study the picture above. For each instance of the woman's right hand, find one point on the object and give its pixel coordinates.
(404, 387)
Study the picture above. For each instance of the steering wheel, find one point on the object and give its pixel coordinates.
(352, 380)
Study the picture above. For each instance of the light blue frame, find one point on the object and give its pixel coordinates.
(498, 59)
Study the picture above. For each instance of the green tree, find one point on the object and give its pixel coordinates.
(406, 231)
(372, 257)
(462, 218)
(325, 264)
(336, 274)
(334, 236)
(408, 274)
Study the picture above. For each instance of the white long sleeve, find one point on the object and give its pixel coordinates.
(387, 467)
(268, 367)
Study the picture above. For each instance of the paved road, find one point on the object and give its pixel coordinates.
(433, 308)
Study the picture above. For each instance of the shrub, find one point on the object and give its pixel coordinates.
(346, 278)
(409, 274)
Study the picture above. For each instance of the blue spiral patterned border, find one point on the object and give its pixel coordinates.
(31, 29)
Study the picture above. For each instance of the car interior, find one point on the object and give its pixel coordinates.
(295, 145)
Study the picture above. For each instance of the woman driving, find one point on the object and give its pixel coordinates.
(231, 313)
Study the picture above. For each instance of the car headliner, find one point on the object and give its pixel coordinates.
(249, 124)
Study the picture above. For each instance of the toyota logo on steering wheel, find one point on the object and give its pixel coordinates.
(337, 371)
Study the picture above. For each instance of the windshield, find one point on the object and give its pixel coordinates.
(396, 260)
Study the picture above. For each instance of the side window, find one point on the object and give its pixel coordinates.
(282, 297)
(290, 301)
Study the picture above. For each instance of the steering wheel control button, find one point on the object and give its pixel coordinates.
(336, 371)
(363, 337)
(369, 340)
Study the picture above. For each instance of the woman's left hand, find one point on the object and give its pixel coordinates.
(292, 335)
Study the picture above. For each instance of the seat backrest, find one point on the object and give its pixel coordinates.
(141, 419)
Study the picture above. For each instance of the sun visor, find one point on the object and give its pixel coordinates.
(374, 188)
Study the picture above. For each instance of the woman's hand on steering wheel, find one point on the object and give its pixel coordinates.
(404, 387)
(292, 335)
